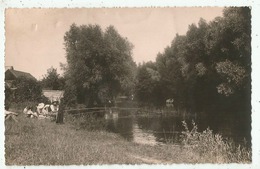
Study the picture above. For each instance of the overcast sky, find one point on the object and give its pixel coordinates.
(34, 37)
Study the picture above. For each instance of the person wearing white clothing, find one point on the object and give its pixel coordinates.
(40, 107)
(28, 111)
(45, 109)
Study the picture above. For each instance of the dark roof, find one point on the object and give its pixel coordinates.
(17, 74)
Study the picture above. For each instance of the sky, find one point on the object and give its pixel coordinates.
(34, 37)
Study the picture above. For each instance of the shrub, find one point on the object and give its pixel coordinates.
(86, 121)
(8, 97)
(28, 90)
(213, 147)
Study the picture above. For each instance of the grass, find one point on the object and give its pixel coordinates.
(18, 107)
(42, 142)
(213, 146)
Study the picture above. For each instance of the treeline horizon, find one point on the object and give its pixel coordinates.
(206, 70)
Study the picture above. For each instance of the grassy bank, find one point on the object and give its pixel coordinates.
(42, 142)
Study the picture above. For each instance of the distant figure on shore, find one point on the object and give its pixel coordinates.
(169, 102)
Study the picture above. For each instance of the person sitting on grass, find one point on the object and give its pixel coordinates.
(39, 108)
(46, 109)
(28, 110)
(10, 115)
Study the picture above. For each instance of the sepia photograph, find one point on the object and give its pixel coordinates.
(103, 86)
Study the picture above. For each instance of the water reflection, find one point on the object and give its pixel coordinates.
(160, 129)
(143, 137)
(163, 128)
(123, 126)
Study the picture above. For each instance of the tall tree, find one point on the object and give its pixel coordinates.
(147, 85)
(229, 46)
(52, 80)
(99, 64)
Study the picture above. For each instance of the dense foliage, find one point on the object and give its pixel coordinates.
(27, 89)
(206, 69)
(8, 97)
(52, 80)
(99, 65)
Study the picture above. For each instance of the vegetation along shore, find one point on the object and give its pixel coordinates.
(42, 142)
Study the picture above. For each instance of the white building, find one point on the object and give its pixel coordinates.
(53, 94)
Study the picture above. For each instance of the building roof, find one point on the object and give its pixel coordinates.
(18, 74)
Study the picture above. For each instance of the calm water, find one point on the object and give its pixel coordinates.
(159, 129)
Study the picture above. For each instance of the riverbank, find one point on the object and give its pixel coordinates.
(42, 142)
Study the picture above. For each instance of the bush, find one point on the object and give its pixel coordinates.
(86, 121)
(8, 97)
(27, 90)
(213, 147)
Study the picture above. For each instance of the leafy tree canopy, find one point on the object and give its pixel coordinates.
(27, 90)
(52, 80)
(206, 69)
(99, 64)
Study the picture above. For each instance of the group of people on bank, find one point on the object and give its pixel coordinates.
(42, 110)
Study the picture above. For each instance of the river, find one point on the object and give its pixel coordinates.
(160, 129)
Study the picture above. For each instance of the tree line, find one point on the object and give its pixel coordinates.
(207, 69)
